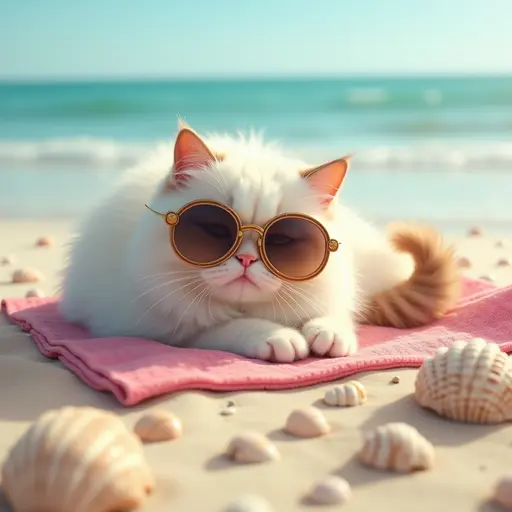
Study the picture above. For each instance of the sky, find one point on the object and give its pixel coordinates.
(90, 39)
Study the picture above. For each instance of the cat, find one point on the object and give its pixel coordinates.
(123, 278)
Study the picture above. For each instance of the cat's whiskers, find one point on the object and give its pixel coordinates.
(276, 298)
(165, 297)
(165, 283)
(302, 294)
(162, 274)
(289, 305)
(199, 296)
(290, 296)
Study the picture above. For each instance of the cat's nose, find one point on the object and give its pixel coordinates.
(246, 259)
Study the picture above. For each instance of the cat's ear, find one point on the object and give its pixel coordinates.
(327, 179)
(190, 153)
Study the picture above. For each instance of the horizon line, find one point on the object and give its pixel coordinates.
(56, 80)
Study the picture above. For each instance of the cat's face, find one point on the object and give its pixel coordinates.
(259, 184)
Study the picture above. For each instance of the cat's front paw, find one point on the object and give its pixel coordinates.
(282, 346)
(327, 337)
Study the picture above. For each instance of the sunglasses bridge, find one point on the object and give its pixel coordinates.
(252, 227)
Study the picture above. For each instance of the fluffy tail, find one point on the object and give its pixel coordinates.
(431, 291)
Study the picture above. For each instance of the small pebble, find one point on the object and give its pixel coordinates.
(503, 492)
(228, 411)
(34, 292)
(231, 403)
(487, 277)
(464, 262)
(501, 243)
(503, 262)
(7, 260)
(475, 231)
(44, 241)
(249, 503)
(332, 490)
(27, 275)
(395, 380)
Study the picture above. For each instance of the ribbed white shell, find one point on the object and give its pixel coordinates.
(470, 382)
(346, 395)
(398, 447)
(79, 460)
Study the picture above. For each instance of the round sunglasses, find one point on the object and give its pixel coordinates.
(292, 246)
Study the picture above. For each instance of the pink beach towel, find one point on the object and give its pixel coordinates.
(136, 369)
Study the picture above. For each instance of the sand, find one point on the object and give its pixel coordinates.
(191, 472)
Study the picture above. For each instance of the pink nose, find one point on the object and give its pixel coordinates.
(246, 259)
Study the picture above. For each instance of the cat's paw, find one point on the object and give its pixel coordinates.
(326, 337)
(282, 346)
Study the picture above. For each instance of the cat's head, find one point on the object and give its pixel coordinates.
(258, 182)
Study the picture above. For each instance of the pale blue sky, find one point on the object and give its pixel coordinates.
(114, 38)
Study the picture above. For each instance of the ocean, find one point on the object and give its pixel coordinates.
(433, 149)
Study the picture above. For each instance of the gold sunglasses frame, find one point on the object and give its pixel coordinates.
(173, 218)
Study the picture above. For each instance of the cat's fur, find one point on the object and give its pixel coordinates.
(123, 278)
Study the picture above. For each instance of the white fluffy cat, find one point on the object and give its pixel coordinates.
(124, 279)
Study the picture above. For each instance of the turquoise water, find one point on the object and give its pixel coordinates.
(438, 149)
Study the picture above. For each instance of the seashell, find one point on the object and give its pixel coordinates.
(45, 241)
(27, 275)
(6, 260)
(348, 394)
(308, 422)
(464, 262)
(470, 382)
(332, 490)
(252, 447)
(503, 492)
(76, 458)
(249, 503)
(503, 262)
(398, 447)
(395, 380)
(158, 426)
(475, 231)
(34, 292)
(487, 277)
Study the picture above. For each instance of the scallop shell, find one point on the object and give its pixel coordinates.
(346, 395)
(470, 382)
(308, 422)
(503, 492)
(44, 241)
(398, 447)
(249, 503)
(27, 275)
(332, 490)
(34, 292)
(252, 447)
(464, 262)
(76, 458)
(158, 426)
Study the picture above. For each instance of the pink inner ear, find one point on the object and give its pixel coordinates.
(327, 179)
(190, 153)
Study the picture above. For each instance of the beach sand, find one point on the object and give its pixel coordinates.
(192, 475)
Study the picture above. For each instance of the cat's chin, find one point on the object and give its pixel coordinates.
(242, 290)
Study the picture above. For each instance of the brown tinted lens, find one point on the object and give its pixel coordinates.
(205, 233)
(295, 247)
